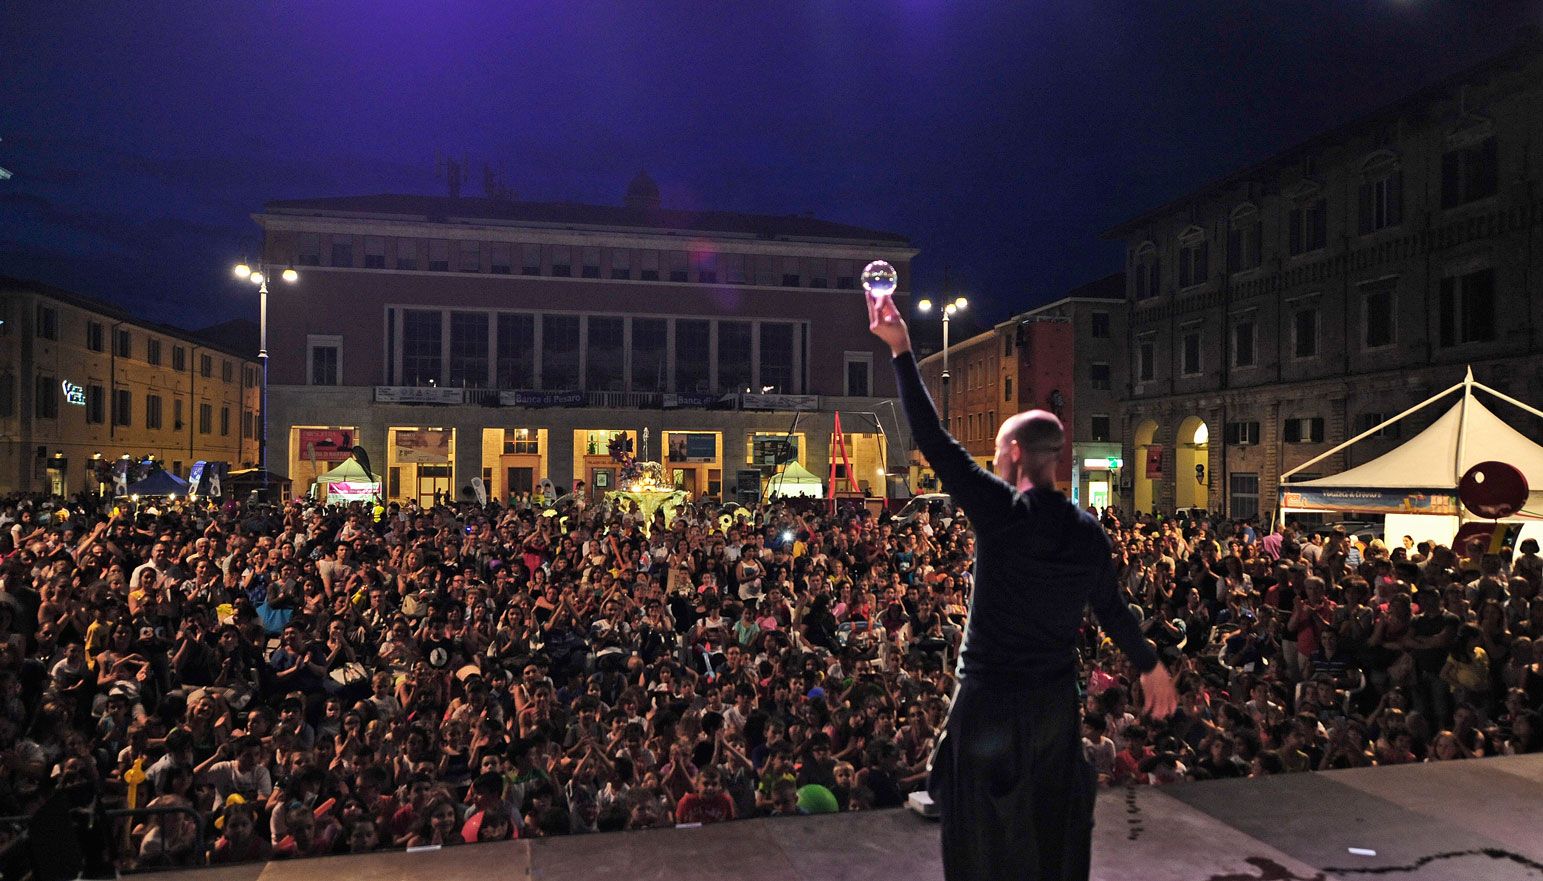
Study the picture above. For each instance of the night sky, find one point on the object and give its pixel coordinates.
(1003, 138)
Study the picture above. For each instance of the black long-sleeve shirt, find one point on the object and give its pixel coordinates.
(1039, 561)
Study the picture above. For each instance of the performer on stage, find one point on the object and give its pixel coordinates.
(1008, 774)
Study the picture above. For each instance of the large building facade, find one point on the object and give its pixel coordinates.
(1299, 302)
(461, 338)
(82, 381)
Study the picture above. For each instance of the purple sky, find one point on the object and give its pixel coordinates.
(1004, 138)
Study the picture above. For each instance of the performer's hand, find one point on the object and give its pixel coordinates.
(1157, 688)
(885, 322)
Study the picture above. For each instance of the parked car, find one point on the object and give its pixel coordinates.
(936, 504)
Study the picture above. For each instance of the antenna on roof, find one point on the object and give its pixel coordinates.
(494, 188)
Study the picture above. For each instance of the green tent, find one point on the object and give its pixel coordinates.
(347, 482)
(795, 480)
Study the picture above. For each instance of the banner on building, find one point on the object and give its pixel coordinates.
(530, 398)
(698, 401)
(780, 402)
(326, 444)
(1155, 461)
(352, 490)
(421, 446)
(408, 394)
(1370, 500)
(693, 447)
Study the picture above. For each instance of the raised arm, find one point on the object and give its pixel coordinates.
(984, 497)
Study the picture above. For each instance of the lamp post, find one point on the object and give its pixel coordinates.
(259, 277)
(948, 310)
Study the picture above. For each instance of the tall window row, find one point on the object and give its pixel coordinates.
(615, 353)
(574, 261)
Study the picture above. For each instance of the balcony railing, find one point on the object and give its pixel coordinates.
(437, 395)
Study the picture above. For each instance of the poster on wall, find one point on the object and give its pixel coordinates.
(1370, 500)
(1155, 461)
(693, 447)
(352, 490)
(421, 446)
(326, 444)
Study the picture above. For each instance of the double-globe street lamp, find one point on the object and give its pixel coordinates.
(258, 275)
(947, 310)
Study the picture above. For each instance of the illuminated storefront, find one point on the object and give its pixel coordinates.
(513, 461)
(693, 461)
(592, 462)
(420, 464)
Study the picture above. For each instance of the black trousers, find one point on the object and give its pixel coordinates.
(1013, 788)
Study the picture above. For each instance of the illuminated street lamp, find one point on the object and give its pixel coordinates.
(259, 276)
(949, 310)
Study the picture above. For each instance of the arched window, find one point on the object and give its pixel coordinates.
(1245, 239)
(1194, 257)
(1380, 202)
(1147, 269)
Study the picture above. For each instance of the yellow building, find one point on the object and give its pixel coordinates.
(81, 379)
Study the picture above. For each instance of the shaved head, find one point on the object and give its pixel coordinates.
(1028, 446)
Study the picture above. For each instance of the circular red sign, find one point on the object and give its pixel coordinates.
(1493, 490)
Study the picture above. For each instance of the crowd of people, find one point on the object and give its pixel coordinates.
(296, 680)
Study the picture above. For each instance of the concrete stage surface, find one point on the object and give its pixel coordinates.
(1447, 822)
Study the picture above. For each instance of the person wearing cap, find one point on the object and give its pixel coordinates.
(1008, 773)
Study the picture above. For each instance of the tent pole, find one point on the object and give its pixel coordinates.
(1509, 400)
(1371, 431)
(1462, 437)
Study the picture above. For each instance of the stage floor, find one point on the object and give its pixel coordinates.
(1447, 822)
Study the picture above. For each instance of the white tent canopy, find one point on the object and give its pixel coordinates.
(1433, 461)
(347, 480)
(795, 480)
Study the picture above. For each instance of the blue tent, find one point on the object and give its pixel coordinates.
(161, 483)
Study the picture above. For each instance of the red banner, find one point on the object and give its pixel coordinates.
(1155, 461)
(326, 444)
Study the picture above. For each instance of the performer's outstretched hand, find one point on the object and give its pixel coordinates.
(885, 322)
(1157, 688)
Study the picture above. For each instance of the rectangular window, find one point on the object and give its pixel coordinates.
(846, 275)
(1469, 173)
(1245, 246)
(1148, 275)
(603, 356)
(153, 351)
(227, 371)
(530, 259)
(468, 349)
(123, 343)
(45, 397)
(248, 426)
(1304, 430)
(1191, 365)
(309, 249)
(1244, 343)
(1242, 434)
(1378, 318)
(343, 252)
(374, 252)
(1468, 308)
(205, 419)
(176, 414)
(734, 356)
(206, 366)
(818, 269)
(1304, 333)
(1381, 203)
(1367, 421)
(406, 253)
(94, 336)
(731, 267)
(96, 404)
(1100, 322)
(591, 268)
(621, 264)
(1308, 227)
(650, 354)
(1146, 361)
(7, 395)
(516, 351)
(326, 360)
(562, 266)
(678, 266)
(224, 421)
(1194, 263)
(859, 374)
(691, 364)
(777, 357)
(1243, 488)
(1098, 426)
(123, 407)
(501, 258)
(1098, 375)
(422, 346)
(439, 255)
(48, 323)
(560, 352)
(470, 259)
(1007, 389)
(649, 266)
(179, 358)
(152, 411)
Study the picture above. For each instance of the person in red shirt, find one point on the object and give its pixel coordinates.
(708, 804)
(1127, 764)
